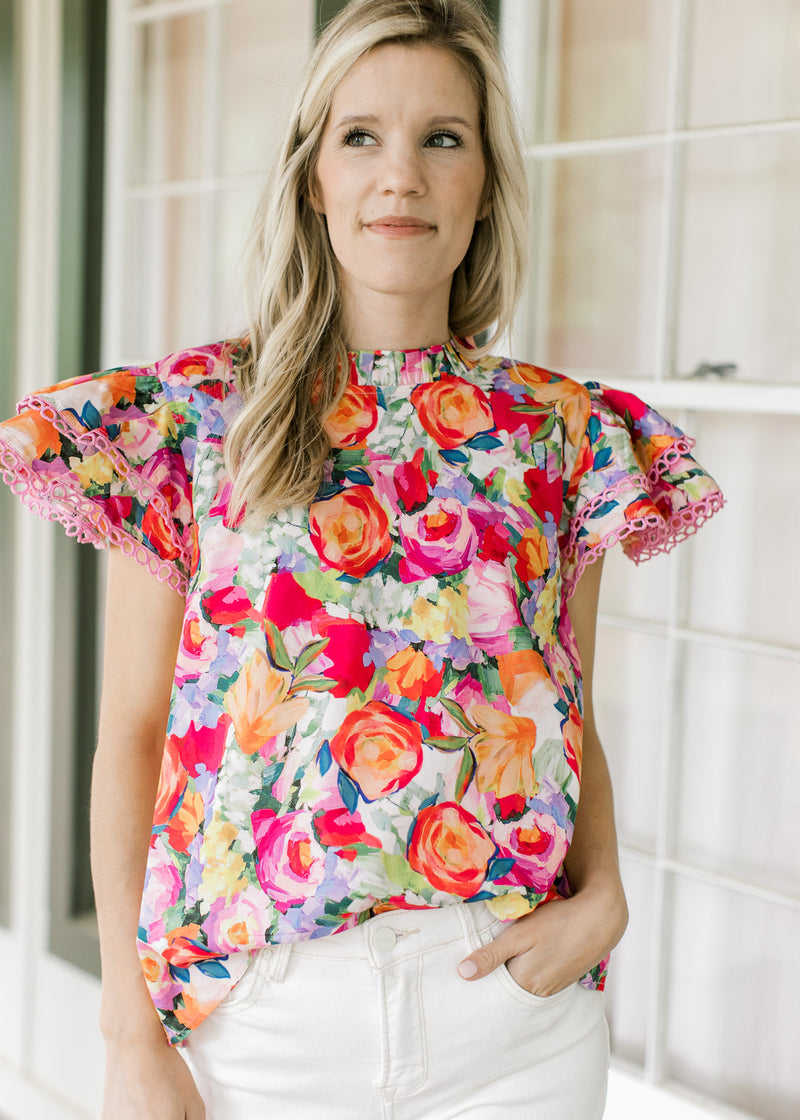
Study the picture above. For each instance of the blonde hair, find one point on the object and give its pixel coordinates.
(295, 369)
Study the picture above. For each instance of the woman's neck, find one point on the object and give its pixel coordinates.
(386, 321)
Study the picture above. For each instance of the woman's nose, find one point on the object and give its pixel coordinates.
(403, 171)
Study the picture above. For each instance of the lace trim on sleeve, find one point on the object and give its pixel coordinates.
(654, 532)
(65, 502)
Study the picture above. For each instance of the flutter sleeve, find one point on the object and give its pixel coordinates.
(632, 480)
(110, 457)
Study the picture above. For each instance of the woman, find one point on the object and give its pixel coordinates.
(370, 644)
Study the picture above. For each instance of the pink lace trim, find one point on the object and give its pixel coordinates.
(98, 441)
(656, 534)
(82, 518)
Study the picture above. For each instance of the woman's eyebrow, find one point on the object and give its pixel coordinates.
(432, 122)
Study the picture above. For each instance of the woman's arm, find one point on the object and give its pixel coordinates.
(556, 944)
(145, 1078)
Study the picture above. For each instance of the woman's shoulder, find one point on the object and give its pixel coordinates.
(208, 370)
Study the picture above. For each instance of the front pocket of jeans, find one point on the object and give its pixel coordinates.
(247, 989)
(522, 995)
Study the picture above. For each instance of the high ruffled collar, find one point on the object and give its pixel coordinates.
(406, 367)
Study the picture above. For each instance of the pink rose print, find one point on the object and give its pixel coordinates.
(290, 861)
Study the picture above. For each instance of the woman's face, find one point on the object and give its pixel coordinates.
(400, 177)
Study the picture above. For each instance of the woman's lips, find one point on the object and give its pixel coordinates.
(392, 225)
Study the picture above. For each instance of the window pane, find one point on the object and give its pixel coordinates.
(167, 284)
(628, 694)
(170, 68)
(740, 257)
(734, 1016)
(745, 61)
(741, 581)
(639, 591)
(607, 68)
(235, 216)
(632, 966)
(739, 803)
(596, 253)
(265, 45)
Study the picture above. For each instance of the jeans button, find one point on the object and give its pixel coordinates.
(384, 939)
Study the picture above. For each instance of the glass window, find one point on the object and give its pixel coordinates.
(740, 256)
(605, 71)
(595, 256)
(734, 1019)
(745, 57)
(741, 583)
(168, 139)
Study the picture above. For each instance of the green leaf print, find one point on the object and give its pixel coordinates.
(448, 742)
(465, 775)
(309, 653)
(278, 654)
(459, 715)
(311, 684)
(399, 871)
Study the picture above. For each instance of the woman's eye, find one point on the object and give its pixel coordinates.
(444, 140)
(357, 138)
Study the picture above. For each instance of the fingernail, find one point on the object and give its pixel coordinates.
(467, 969)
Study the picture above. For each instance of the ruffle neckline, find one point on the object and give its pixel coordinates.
(406, 367)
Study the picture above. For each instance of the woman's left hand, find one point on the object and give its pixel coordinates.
(553, 946)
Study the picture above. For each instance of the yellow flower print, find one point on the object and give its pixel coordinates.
(503, 750)
(507, 906)
(544, 623)
(96, 470)
(446, 618)
(224, 872)
(259, 705)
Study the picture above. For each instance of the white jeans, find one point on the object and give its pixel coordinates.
(376, 1024)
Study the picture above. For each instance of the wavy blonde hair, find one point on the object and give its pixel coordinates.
(295, 369)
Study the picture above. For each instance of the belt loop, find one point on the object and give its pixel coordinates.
(279, 961)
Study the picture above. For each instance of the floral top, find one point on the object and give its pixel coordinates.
(377, 699)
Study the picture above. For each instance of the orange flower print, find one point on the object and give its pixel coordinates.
(259, 705)
(379, 748)
(410, 673)
(171, 783)
(572, 400)
(533, 558)
(450, 849)
(35, 434)
(521, 671)
(350, 531)
(354, 417)
(452, 410)
(503, 750)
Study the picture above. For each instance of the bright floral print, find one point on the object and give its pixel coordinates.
(354, 417)
(290, 861)
(452, 411)
(410, 673)
(450, 848)
(259, 704)
(440, 538)
(380, 749)
(504, 751)
(351, 531)
(377, 701)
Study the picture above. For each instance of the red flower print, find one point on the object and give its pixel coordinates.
(450, 848)
(409, 481)
(379, 748)
(354, 416)
(452, 411)
(350, 531)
